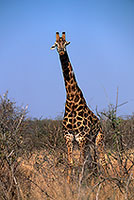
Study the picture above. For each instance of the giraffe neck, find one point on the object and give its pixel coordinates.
(69, 77)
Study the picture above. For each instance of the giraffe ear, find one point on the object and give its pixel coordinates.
(53, 47)
(67, 43)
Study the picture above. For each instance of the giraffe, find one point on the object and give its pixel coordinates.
(80, 124)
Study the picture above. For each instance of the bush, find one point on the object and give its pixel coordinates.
(12, 125)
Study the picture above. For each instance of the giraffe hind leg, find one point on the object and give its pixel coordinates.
(85, 151)
(86, 162)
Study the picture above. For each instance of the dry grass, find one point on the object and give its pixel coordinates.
(41, 179)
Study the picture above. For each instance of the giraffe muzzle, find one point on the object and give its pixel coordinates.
(61, 53)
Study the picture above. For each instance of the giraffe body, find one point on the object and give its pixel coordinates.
(79, 122)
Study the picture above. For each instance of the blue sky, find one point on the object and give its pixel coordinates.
(101, 52)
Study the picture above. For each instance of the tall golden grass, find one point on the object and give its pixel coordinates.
(41, 178)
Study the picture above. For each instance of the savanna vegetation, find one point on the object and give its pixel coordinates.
(33, 159)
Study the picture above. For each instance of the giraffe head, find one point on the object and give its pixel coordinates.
(60, 43)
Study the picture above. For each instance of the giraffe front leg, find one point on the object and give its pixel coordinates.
(81, 143)
(82, 153)
(69, 142)
(100, 150)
